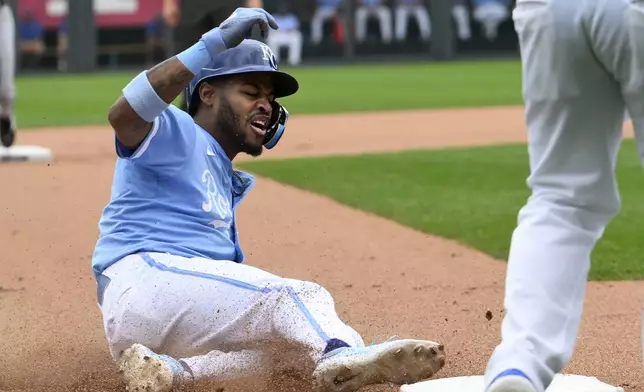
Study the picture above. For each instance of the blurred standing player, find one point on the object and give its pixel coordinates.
(582, 69)
(7, 73)
(179, 305)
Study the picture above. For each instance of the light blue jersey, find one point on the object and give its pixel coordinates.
(177, 193)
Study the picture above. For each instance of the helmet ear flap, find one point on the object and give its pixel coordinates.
(277, 126)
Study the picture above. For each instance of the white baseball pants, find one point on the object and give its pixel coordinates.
(582, 68)
(403, 12)
(291, 39)
(321, 15)
(462, 18)
(383, 13)
(7, 60)
(491, 15)
(225, 320)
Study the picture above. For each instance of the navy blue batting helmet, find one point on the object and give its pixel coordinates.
(250, 56)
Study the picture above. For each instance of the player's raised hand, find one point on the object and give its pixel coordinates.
(238, 26)
(241, 22)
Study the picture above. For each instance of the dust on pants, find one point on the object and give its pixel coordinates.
(220, 317)
(7, 60)
(582, 69)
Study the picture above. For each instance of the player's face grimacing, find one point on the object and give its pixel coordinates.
(245, 110)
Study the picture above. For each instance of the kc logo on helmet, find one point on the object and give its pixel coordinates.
(268, 56)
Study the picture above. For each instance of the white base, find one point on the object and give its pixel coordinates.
(25, 154)
(561, 383)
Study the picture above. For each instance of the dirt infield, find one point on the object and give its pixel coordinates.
(386, 279)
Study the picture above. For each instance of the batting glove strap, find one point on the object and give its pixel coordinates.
(196, 57)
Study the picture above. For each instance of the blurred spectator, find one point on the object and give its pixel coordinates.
(171, 12)
(30, 38)
(326, 9)
(491, 13)
(62, 45)
(154, 40)
(462, 19)
(416, 8)
(288, 35)
(367, 8)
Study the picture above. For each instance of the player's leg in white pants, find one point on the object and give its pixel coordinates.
(209, 313)
(402, 20)
(491, 15)
(462, 19)
(7, 61)
(362, 13)
(274, 41)
(581, 61)
(294, 42)
(424, 24)
(320, 16)
(384, 16)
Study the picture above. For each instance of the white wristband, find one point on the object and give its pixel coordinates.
(140, 94)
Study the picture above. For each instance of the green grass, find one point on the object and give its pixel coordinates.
(67, 99)
(84, 99)
(469, 195)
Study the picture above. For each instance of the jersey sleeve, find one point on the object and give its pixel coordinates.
(168, 144)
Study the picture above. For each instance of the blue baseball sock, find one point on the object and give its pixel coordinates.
(333, 344)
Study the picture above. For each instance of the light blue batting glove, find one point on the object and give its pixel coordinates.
(236, 28)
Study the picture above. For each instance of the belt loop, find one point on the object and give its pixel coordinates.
(101, 284)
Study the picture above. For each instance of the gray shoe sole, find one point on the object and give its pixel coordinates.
(399, 362)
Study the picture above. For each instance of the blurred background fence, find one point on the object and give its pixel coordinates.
(62, 35)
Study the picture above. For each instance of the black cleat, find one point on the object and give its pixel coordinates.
(7, 131)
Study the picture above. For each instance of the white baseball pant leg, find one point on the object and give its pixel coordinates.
(419, 12)
(582, 63)
(7, 61)
(361, 23)
(221, 318)
(384, 16)
(291, 39)
(491, 15)
(294, 44)
(462, 18)
(321, 15)
(274, 42)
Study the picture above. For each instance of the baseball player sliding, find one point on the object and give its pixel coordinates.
(178, 304)
(582, 69)
(7, 74)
